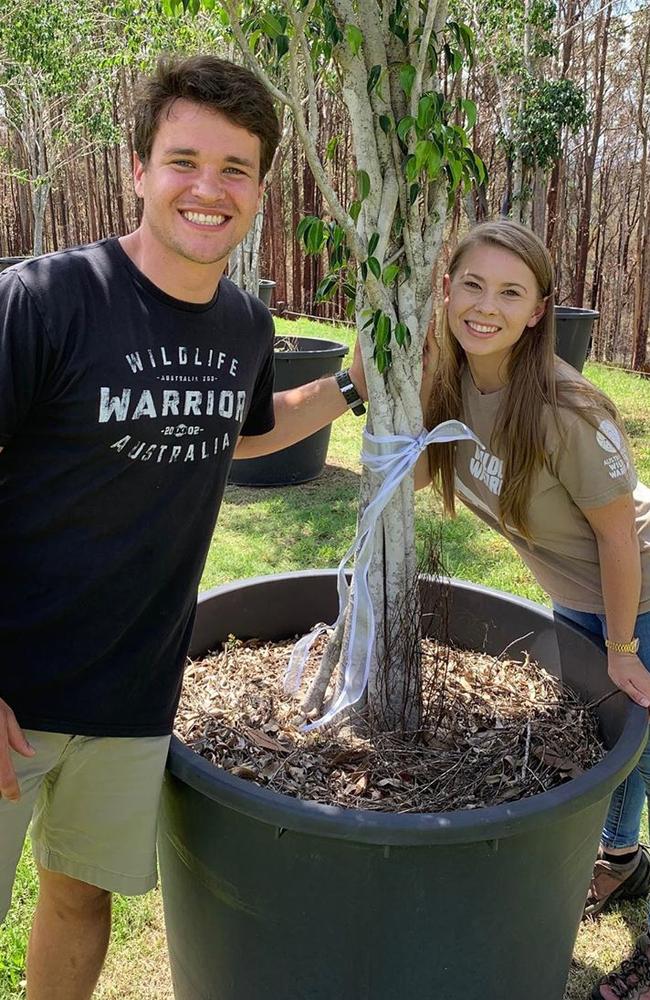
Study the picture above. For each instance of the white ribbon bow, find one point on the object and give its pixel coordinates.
(392, 457)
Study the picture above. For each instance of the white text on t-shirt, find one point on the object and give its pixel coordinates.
(488, 469)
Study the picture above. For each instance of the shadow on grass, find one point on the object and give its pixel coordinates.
(265, 530)
(583, 976)
(276, 529)
(333, 480)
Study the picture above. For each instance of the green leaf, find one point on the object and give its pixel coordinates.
(363, 185)
(315, 237)
(427, 157)
(389, 273)
(337, 236)
(374, 266)
(422, 150)
(467, 39)
(355, 209)
(410, 168)
(349, 290)
(383, 359)
(461, 133)
(363, 267)
(455, 172)
(476, 166)
(426, 113)
(373, 78)
(382, 330)
(385, 124)
(331, 147)
(281, 44)
(404, 126)
(304, 225)
(454, 59)
(372, 243)
(481, 169)
(350, 308)
(270, 25)
(470, 112)
(403, 335)
(326, 288)
(355, 38)
(407, 77)
(414, 191)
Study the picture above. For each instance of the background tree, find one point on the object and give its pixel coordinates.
(599, 233)
(66, 81)
(55, 95)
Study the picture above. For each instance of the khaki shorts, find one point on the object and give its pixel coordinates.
(93, 802)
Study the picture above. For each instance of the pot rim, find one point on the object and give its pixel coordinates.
(322, 348)
(369, 827)
(575, 312)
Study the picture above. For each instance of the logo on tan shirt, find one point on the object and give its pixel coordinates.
(488, 469)
(610, 439)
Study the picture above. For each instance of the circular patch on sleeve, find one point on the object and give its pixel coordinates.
(609, 437)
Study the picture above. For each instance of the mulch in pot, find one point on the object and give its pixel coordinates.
(508, 730)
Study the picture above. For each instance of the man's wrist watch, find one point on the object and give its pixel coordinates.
(350, 395)
(623, 647)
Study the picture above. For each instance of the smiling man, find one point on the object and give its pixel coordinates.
(131, 371)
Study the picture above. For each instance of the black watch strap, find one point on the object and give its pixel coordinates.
(350, 394)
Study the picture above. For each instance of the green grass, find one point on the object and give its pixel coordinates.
(271, 530)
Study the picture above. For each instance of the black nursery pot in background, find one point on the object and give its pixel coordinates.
(271, 896)
(312, 359)
(6, 262)
(573, 328)
(265, 290)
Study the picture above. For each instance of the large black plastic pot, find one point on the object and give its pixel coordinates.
(573, 328)
(303, 461)
(268, 896)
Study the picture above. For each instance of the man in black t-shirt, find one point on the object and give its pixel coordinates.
(131, 372)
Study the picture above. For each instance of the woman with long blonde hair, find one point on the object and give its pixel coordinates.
(556, 479)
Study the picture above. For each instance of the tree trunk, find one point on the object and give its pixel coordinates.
(40, 195)
(641, 320)
(591, 150)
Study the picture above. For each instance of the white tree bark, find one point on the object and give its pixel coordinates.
(394, 398)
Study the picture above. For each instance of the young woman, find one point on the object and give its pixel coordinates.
(555, 478)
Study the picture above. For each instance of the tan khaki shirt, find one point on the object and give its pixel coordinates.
(585, 469)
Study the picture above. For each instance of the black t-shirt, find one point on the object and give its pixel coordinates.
(120, 407)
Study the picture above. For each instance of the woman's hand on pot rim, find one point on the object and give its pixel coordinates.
(629, 674)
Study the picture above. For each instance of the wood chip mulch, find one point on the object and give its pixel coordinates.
(508, 731)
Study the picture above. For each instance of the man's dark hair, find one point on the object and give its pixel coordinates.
(215, 83)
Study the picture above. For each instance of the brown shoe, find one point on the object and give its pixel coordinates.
(632, 980)
(611, 881)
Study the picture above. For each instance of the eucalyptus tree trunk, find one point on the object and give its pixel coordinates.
(40, 195)
(245, 271)
(641, 317)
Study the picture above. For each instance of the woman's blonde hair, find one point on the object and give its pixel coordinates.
(532, 383)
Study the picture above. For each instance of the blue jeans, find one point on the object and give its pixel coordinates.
(623, 822)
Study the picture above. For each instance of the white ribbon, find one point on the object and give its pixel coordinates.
(391, 457)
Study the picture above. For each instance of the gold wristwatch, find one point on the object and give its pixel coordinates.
(623, 647)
